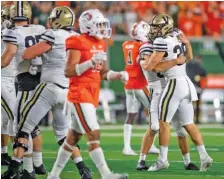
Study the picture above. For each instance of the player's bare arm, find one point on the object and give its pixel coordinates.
(36, 50)
(153, 60)
(187, 43)
(73, 58)
(107, 74)
(8, 54)
(165, 65)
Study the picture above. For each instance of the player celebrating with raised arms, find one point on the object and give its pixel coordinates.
(86, 67)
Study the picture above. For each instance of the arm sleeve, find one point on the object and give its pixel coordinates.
(48, 36)
(146, 49)
(160, 45)
(9, 36)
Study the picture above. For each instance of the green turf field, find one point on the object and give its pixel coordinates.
(112, 144)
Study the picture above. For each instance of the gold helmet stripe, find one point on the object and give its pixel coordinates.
(73, 15)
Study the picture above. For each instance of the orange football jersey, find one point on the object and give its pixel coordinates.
(136, 77)
(85, 88)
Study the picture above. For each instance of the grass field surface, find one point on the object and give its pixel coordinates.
(112, 144)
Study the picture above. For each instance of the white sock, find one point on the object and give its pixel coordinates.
(62, 159)
(98, 159)
(127, 136)
(163, 153)
(142, 157)
(187, 159)
(37, 159)
(4, 150)
(202, 151)
(28, 164)
(78, 159)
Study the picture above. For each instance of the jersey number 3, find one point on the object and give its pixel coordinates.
(30, 40)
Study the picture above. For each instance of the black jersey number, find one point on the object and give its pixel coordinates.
(30, 40)
(130, 61)
(160, 75)
(179, 49)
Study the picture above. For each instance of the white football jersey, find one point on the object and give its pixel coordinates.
(172, 47)
(23, 37)
(54, 60)
(150, 76)
(10, 70)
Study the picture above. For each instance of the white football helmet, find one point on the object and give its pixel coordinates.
(139, 31)
(95, 24)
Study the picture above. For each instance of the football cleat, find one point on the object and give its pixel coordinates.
(159, 165)
(116, 176)
(142, 166)
(40, 170)
(129, 152)
(85, 173)
(206, 163)
(154, 150)
(191, 166)
(5, 159)
(26, 175)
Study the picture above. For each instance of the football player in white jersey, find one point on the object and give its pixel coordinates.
(178, 93)
(157, 83)
(51, 93)
(136, 88)
(16, 40)
(8, 96)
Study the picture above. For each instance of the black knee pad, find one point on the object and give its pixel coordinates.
(21, 134)
(35, 132)
(60, 142)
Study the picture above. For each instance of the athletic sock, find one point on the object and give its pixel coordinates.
(98, 159)
(202, 151)
(163, 153)
(187, 159)
(28, 164)
(62, 159)
(127, 136)
(4, 150)
(37, 159)
(142, 157)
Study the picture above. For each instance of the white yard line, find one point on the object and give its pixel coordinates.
(173, 134)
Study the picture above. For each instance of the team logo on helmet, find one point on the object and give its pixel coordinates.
(88, 16)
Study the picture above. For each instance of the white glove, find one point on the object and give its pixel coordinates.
(99, 57)
(177, 32)
(33, 69)
(124, 76)
(6, 24)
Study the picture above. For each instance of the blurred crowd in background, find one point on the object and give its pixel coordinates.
(195, 18)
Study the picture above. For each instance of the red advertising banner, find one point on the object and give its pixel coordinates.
(212, 81)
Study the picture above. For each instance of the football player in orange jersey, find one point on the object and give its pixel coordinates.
(86, 67)
(136, 87)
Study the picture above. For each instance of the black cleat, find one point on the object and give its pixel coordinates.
(142, 166)
(191, 166)
(5, 159)
(40, 170)
(26, 175)
(12, 172)
(85, 173)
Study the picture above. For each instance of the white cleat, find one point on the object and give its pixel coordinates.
(159, 165)
(116, 176)
(153, 150)
(129, 152)
(52, 177)
(206, 163)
